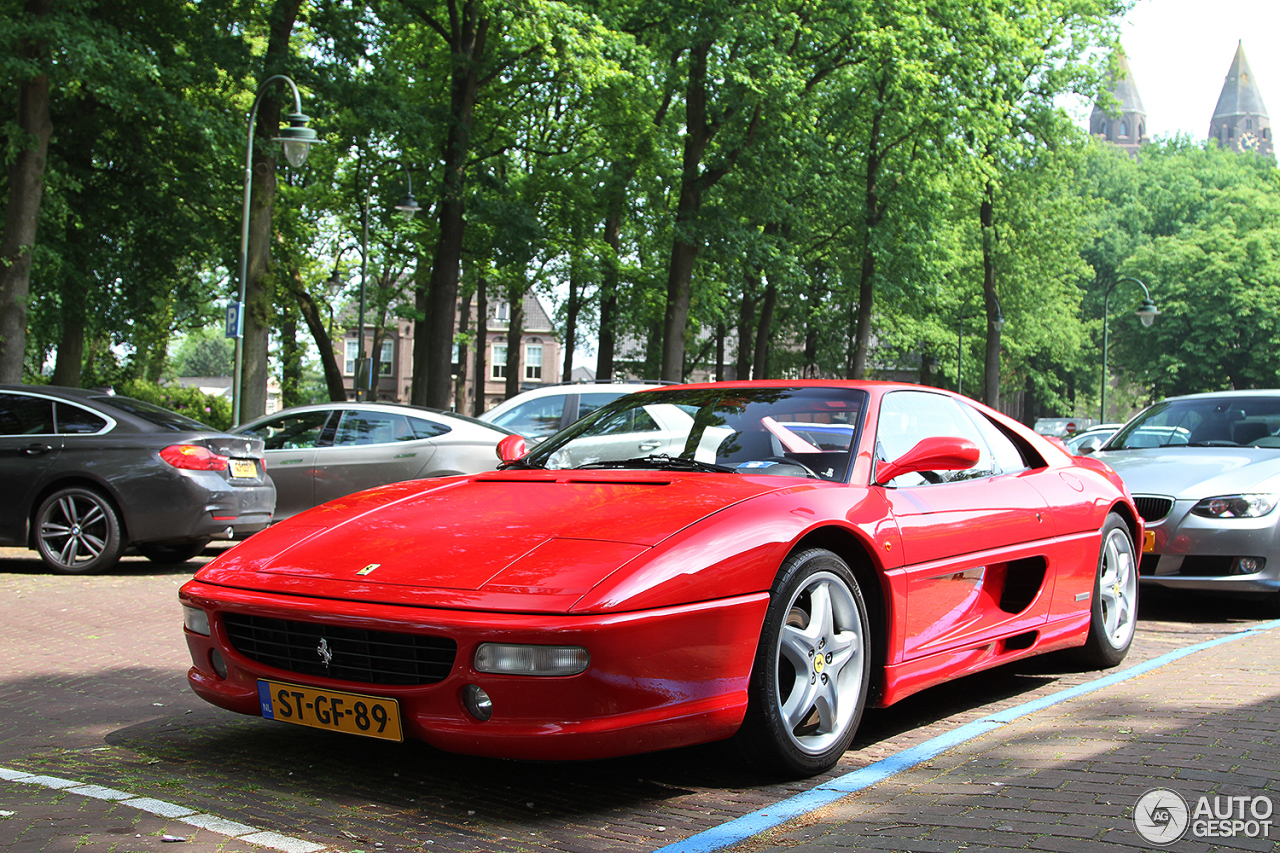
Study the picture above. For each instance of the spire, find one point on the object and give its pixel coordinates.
(1123, 124)
(1240, 119)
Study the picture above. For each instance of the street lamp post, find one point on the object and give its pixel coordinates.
(1146, 312)
(297, 140)
(998, 322)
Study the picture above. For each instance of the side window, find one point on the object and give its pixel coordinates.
(632, 420)
(291, 432)
(73, 420)
(1008, 457)
(21, 414)
(363, 427)
(588, 403)
(907, 417)
(423, 428)
(535, 419)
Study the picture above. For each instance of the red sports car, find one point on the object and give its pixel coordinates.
(753, 561)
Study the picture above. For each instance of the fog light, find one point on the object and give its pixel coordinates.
(219, 665)
(511, 659)
(196, 620)
(478, 703)
(1249, 565)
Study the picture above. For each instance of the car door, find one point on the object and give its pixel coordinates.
(630, 434)
(977, 544)
(290, 441)
(370, 448)
(28, 446)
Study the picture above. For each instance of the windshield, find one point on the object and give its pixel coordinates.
(1244, 421)
(798, 432)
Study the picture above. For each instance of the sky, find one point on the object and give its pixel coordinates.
(1180, 51)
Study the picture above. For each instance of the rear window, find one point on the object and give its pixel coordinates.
(152, 413)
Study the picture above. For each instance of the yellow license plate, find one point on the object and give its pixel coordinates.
(1148, 541)
(353, 713)
(245, 469)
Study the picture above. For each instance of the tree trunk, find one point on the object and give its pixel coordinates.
(259, 289)
(290, 357)
(991, 365)
(328, 358)
(515, 337)
(460, 388)
(572, 307)
(22, 210)
(482, 344)
(763, 331)
(433, 361)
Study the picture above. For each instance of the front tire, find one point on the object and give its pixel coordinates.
(812, 669)
(78, 532)
(1114, 613)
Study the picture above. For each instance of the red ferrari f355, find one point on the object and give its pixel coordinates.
(746, 561)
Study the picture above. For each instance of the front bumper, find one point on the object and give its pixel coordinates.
(657, 679)
(1186, 551)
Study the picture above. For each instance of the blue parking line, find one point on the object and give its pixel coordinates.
(828, 792)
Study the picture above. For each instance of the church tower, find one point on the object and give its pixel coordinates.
(1240, 120)
(1126, 125)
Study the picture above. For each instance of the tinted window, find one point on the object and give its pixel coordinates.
(73, 420)
(364, 427)
(423, 428)
(534, 419)
(588, 403)
(1205, 421)
(290, 432)
(21, 414)
(162, 418)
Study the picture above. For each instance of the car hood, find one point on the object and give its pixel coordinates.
(531, 541)
(1194, 472)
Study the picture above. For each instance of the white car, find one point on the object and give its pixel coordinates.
(543, 412)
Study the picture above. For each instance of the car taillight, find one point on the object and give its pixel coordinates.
(193, 457)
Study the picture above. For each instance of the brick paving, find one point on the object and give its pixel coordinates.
(92, 690)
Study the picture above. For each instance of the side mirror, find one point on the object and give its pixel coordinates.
(511, 448)
(937, 453)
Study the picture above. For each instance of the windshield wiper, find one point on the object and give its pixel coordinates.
(518, 463)
(660, 461)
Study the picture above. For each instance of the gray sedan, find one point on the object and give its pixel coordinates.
(1204, 470)
(320, 452)
(88, 474)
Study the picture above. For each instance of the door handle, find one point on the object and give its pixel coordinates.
(36, 449)
(650, 445)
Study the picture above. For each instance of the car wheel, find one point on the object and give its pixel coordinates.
(813, 665)
(78, 532)
(1114, 614)
(171, 552)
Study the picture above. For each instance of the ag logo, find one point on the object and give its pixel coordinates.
(1161, 816)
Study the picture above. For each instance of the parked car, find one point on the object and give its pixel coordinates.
(1088, 441)
(809, 547)
(1204, 470)
(320, 452)
(542, 412)
(90, 474)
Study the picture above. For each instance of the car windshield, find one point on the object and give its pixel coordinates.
(802, 432)
(163, 418)
(1244, 421)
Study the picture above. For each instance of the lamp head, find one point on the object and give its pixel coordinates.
(408, 206)
(297, 139)
(1147, 312)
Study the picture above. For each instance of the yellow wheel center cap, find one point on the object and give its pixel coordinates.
(819, 663)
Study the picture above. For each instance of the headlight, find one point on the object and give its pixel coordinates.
(510, 659)
(196, 620)
(1235, 506)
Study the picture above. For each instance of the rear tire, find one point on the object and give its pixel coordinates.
(171, 553)
(77, 532)
(812, 669)
(1114, 612)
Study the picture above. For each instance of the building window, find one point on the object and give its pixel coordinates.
(349, 365)
(384, 360)
(502, 313)
(1124, 129)
(533, 362)
(498, 364)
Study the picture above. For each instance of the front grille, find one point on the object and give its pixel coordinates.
(1207, 566)
(1151, 508)
(358, 655)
